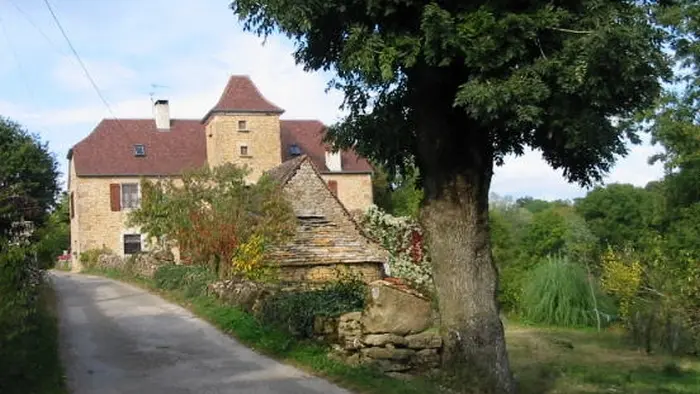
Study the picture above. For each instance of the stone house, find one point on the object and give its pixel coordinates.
(243, 128)
(328, 242)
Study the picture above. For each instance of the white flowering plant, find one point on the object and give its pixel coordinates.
(403, 238)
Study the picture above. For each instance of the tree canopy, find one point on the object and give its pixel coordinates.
(454, 87)
(28, 177)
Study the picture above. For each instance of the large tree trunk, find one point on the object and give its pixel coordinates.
(455, 157)
(456, 222)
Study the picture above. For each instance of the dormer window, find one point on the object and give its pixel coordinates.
(294, 150)
(242, 125)
(139, 150)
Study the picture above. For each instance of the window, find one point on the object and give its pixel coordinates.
(130, 195)
(139, 150)
(242, 125)
(294, 150)
(244, 150)
(132, 243)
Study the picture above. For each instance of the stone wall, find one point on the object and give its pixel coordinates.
(144, 264)
(367, 272)
(393, 333)
(248, 295)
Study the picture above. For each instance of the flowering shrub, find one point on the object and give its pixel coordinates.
(403, 238)
(209, 213)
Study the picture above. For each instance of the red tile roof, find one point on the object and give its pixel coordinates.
(109, 149)
(308, 135)
(241, 95)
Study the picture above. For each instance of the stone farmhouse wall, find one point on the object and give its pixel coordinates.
(354, 190)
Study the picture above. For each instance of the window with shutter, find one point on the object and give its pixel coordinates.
(115, 197)
(333, 185)
(130, 195)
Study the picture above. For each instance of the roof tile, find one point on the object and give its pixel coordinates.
(308, 135)
(241, 95)
(109, 149)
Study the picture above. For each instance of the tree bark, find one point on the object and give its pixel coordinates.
(455, 157)
(456, 223)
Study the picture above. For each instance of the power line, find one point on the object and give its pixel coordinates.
(80, 61)
(31, 22)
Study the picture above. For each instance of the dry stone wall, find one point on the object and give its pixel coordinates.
(393, 333)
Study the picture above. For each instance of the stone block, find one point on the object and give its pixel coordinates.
(350, 316)
(426, 358)
(383, 353)
(384, 339)
(392, 310)
(424, 340)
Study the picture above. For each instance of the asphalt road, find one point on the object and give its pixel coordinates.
(118, 339)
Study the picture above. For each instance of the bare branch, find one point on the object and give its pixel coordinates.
(572, 31)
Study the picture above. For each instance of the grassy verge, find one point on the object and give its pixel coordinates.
(545, 360)
(33, 364)
(307, 355)
(555, 360)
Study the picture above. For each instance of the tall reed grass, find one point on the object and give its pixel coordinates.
(561, 293)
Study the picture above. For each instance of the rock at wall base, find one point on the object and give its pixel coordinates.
(395, 311)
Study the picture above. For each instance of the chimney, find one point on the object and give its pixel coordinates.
(161, 113)
(333, 161)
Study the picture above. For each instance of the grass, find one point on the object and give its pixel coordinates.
(575, 361)
(39, 369)
(545, 360)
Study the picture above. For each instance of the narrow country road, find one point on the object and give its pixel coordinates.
(118, 339)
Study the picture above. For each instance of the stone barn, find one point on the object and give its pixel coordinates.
(328, 242)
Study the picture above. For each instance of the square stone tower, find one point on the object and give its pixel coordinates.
(243, 128)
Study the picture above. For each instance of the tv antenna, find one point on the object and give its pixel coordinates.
(154, 88)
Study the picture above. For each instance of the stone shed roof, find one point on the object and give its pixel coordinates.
(326, 232)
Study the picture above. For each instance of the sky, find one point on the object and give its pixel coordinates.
(184, 51)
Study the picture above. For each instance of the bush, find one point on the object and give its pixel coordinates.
(90, 257)
(294, 311)
(191, 280)
(209, 213)
(558, 292)
(28, 333)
